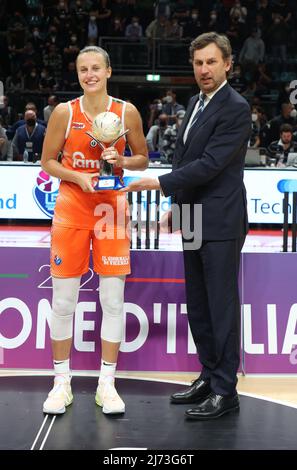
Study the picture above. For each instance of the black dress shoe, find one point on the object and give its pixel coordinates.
(214, 406)
(198, 390)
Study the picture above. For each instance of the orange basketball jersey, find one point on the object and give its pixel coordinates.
(74, 207)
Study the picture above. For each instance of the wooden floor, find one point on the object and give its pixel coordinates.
(278, 388)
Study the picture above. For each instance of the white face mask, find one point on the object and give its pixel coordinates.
(254, 117)
(93, 18)
(194, 17)
(293, 113)
(169, 99)
(159, 106)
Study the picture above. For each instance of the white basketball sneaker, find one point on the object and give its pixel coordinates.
(59, 397)
(108, 398)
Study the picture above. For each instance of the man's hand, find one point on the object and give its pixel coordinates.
(142, 184)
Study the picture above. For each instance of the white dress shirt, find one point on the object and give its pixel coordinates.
(209, 96)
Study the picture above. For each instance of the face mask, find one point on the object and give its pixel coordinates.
(194, 17)
(33, 74)
(135, 23)
(254, 117)
(159, 106)
(43, 74)
(93, 18)
(31, 122)
(36, 34)
(73, 39)
(293, 113)
(213, 17)
(169, 99)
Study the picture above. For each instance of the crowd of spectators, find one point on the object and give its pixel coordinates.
(39, 42)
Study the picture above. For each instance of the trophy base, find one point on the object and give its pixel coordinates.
(109, 183)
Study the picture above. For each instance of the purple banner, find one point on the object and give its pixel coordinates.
(270, 312)
(157, 336)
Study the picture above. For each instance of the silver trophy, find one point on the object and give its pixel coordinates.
(107, 129)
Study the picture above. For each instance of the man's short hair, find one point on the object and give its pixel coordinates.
(220, 40)
(286, 128)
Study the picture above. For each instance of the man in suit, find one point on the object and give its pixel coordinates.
(208, 169)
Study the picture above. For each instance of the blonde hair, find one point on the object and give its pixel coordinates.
(98, 50)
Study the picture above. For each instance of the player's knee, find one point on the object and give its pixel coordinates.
(61, 324)
(111, 304)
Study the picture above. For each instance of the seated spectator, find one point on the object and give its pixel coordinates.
(171, 106)
(237, 80)
(155, 111)
(175, 30)
(281, 148)
(170, 136)
(271, 130)
(52, 59)
(116, 28)
(15, 82)
(155, 136)
(238, 11)
(52, 102)
(134, 29)
(28, 137)
(159, 28)
(92, 27)
(193, 26)
(213, 22)
(31, 80)
(257, 124)
(12, 129)
(7, 112)
(47, 82)
(70, 80)
(3, 144)
(72, 49)
(37, 39)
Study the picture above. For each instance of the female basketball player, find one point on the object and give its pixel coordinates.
(75, 224)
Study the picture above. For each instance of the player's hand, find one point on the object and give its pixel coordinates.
(142, 184)
(87, 181)
(112, 156)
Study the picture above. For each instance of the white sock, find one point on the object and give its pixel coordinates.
(62, 370)
(107, 371)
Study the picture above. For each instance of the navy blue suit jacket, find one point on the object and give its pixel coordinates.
(208, 168)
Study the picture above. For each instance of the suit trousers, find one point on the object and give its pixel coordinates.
(213, 305)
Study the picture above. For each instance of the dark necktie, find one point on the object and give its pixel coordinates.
(199, 110)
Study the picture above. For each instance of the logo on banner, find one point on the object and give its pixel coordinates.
(45, 193)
